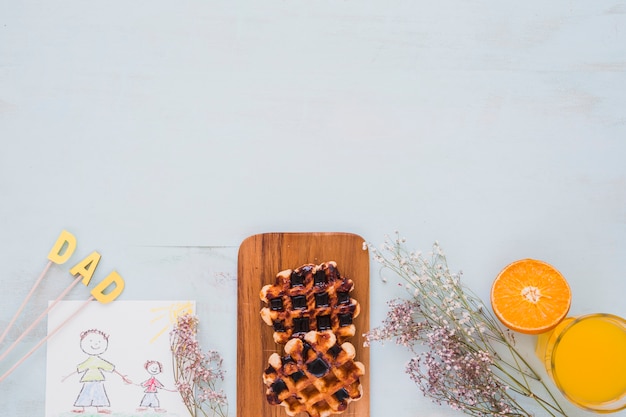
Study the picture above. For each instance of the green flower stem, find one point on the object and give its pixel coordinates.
(440, 301)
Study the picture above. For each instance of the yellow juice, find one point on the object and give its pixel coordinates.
(586, 357)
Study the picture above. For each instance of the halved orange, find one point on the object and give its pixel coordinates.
(530, 296)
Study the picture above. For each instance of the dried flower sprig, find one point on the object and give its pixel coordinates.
(196, 373)
(461, 355)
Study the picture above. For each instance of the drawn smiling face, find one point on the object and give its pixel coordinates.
(154, 368)
(94, 344)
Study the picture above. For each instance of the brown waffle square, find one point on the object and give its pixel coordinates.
(316, 375)
(309, 298)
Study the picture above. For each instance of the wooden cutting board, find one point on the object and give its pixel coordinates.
(261, 257)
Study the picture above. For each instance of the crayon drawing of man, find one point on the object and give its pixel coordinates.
(93, 393)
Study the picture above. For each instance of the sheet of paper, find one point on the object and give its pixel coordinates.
(90, 358)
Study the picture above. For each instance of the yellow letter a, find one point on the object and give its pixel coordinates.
(86, 267)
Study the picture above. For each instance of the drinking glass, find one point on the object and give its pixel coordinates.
(586, 358)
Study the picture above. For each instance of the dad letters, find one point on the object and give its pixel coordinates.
(63, 249)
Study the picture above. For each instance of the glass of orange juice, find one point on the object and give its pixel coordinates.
(586, 358)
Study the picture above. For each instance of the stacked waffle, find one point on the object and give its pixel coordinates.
(312, 314)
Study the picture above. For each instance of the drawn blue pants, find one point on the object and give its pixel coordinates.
(92, 394)
(150, 400)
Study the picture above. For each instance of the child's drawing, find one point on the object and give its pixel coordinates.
(152, 385)
(93, 393)
(106, 347)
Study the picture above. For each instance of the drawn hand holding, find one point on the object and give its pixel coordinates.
(124, 378)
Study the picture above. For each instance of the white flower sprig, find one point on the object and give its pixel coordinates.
(196, 373)
(461, 356)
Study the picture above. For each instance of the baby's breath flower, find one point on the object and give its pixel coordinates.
(196, 373)
(461, 356)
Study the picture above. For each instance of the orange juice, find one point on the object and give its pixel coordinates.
(586, 358)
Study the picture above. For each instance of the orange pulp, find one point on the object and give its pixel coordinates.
(530, 296)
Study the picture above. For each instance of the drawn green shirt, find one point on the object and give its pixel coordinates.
(93, 368)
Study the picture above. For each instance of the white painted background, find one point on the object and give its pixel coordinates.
(154, 130)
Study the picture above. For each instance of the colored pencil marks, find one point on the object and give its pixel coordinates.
(110, 361)
(168, 316)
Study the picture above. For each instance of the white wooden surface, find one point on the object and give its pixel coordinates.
(157, 131)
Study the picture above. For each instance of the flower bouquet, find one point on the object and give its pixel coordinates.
(196, 373)
(461, 356)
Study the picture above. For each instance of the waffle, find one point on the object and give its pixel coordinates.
(317, 375)
(311, 297)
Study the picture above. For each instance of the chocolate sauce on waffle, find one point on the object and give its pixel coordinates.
(316, 375)
(300, 298)
(312, 315)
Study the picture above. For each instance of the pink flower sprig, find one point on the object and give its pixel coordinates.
(196, 373)
(461, 355)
